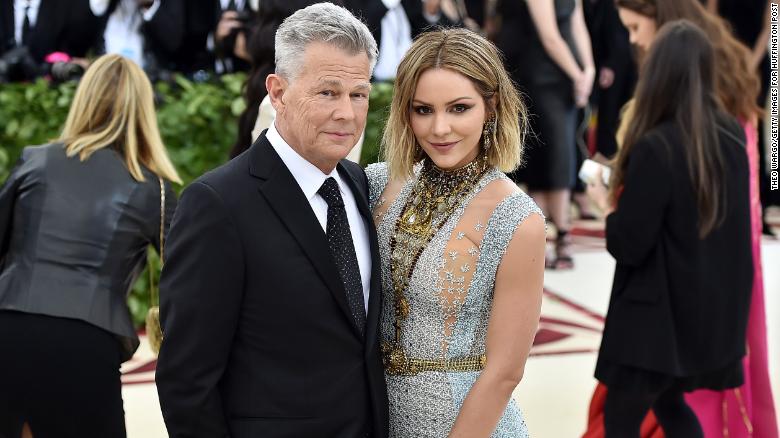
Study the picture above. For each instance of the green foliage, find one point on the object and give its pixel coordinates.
(197, 122)
(378, 110)
(30, 114)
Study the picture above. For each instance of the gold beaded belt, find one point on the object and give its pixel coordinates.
(397, 364)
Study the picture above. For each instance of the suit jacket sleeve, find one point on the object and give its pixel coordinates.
(634, 228)
(200, 296)
(165, 31)
(8, 194)
(417, 21)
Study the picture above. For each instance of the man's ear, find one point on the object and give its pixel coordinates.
(276, 86)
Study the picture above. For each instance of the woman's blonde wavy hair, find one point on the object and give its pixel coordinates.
(114, 107)
(476, 58)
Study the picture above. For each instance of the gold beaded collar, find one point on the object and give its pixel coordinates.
(434, 197)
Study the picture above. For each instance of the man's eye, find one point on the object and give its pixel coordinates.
(328, 93)
(423, 110)
(360, 95)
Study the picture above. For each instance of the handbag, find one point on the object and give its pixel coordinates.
(153, 328)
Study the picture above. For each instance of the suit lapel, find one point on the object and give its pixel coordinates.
(7, 23)
(47, 33)
(285, 197)
(375, 293)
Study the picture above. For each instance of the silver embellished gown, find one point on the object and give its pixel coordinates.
(450, 295)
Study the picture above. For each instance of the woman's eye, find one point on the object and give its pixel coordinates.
(422, 110)
(460, 108)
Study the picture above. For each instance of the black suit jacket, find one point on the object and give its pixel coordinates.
(198, 20)
(679, 303)
(259, 340)
(373, 11)
(163, 34)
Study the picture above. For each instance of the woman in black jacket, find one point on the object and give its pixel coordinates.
(76, 218)
(680, 234)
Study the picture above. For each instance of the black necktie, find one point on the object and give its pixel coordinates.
(343, 250)
(26, 25)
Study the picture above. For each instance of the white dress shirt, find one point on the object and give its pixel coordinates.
(396, 40)
(310, 179)
(98, 8)
(32, 16)
(123, 30)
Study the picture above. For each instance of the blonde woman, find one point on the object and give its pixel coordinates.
(462, 247)
(76, 217)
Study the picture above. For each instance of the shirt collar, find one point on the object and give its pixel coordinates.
(308, 176)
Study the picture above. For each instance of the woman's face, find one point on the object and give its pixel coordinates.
(448, 115)
(641, 28)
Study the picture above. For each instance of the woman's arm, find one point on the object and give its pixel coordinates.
(511, 329)
(634, 228)
(7, 201)
(584, 49)
(543, 15)
(758, 51)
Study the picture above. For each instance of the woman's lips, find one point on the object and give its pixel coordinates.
(444, 146)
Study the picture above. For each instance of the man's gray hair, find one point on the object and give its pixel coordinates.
(321, 22)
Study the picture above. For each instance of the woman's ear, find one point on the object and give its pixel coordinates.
(491, 110)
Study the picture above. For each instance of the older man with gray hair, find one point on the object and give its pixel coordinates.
(270, 295)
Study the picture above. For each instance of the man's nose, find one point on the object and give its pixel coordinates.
(344, 109)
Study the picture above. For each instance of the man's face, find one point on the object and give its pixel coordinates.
(322, 112)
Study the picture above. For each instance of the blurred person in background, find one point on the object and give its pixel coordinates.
(614, 86)
(35, 34)
(148, 32)
(679, 229)
(76, 218)
(229, 39)
(195, 38)
(750, 21)
(616, 68)
(750, 408)
(548, 52)
(404, 20)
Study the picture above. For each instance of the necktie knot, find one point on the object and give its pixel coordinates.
(330, 193)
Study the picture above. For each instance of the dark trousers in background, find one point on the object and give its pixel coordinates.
(59, 375)
(625, 409)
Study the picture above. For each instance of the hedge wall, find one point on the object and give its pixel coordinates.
(197, 123)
